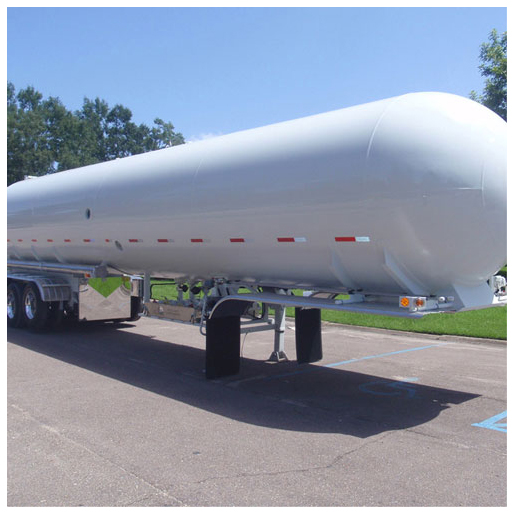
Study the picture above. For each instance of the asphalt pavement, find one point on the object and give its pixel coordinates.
(122, 415)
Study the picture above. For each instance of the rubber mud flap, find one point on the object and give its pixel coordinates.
(222, 353)
(308, 335)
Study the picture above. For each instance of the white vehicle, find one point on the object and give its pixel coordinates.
(394, 207)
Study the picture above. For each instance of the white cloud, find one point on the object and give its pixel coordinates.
(202, 137)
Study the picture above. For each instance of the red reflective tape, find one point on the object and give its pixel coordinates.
(34, 240)
(67, 240)
(8, 240)
(163, 240)
(87, 240)
(134, 240)
(20, 240)
(197, 240)
(237, 240)
(285, 239)
(107, 240)
(49, 240)
(345, 239)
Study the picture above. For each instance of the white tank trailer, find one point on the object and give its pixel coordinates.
(395, 207)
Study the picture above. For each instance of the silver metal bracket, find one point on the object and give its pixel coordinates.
(278, 354)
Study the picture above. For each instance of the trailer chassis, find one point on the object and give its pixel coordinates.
(40, 294)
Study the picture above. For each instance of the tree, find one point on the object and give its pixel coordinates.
(164, 135)
(28, 149)
(94, 117)
(119, 132)
(43, 136)
(493, 57)
(65, 136)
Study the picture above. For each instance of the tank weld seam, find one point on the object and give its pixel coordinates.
(375, 128)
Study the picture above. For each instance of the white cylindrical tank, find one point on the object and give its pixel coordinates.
(401, 195)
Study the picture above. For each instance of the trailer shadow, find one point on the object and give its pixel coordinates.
(305, 398)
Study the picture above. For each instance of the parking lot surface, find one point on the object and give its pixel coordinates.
(122, 415)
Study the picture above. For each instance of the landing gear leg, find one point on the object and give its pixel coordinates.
(278, 353)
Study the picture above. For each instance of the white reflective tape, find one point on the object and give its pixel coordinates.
(362, 239)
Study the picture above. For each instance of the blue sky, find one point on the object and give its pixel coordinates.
(218, 70)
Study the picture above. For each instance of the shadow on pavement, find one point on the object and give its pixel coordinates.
(305, 398)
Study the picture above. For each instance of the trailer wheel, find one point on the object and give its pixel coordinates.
(14, 306)
(35, 310)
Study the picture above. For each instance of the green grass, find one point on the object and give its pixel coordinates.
(485, 323)
(164, 291)
(488, 323)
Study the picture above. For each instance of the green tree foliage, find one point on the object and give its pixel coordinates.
(44, 137)
(493, 58)
(28, 149)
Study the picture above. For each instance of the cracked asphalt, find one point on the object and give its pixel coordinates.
(121, 415)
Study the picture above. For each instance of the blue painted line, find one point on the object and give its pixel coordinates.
(380, 355)
(492, 423)
(351, 361)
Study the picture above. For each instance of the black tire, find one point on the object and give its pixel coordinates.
(14, 306)
(34, 309)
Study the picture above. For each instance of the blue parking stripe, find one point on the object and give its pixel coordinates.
(380, 355)
(492, 423)
(351, 361)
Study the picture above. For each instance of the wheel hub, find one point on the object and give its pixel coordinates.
(30, 305)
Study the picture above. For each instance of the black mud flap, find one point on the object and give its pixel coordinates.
(308, 335)
(222, 353)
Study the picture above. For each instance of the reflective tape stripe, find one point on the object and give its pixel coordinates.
(291, 239)
(352, 239)
(338, 239)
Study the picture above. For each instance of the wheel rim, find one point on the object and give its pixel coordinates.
(30, 305)
(11, 305)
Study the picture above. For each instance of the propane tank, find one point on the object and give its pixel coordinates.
(401, 196)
